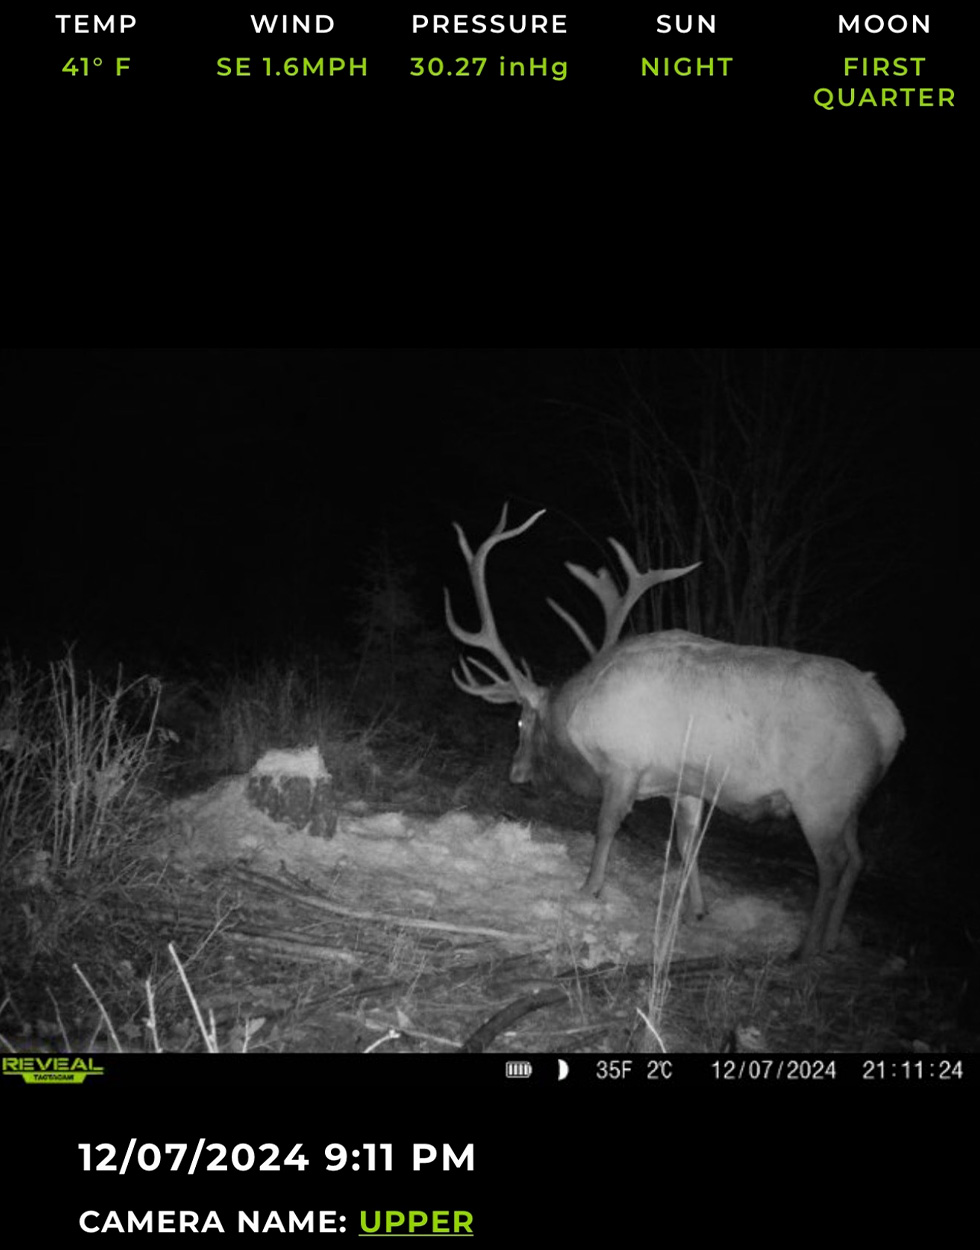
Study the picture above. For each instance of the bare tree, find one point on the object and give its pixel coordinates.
(740, 459)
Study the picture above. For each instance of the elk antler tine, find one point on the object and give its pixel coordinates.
(518, 684)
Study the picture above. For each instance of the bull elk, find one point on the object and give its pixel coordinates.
(756, 730)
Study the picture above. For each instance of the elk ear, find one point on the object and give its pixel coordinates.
(536, 698)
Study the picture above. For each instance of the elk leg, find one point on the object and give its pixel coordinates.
(687, 825)
(848, 877)
(617, 799)
(838, 864)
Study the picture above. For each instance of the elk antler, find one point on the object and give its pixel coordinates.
(518, 686)
(616, 606)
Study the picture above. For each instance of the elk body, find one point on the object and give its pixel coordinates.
(754, 730)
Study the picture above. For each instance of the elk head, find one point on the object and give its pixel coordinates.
(544, 750)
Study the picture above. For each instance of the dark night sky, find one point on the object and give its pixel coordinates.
(178, 499)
